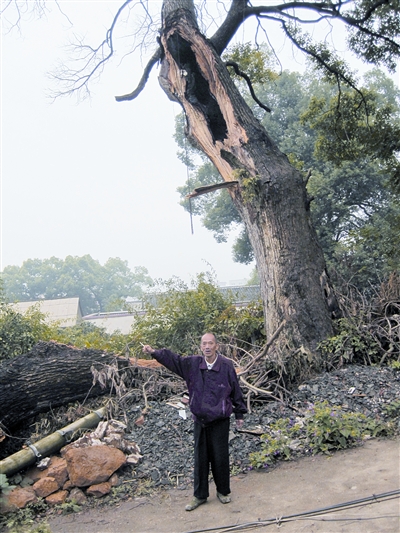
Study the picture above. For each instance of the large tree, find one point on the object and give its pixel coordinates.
(268, 192)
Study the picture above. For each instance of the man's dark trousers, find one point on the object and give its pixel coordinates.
(211, 446)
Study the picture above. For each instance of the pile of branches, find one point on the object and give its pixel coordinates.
(369, 332)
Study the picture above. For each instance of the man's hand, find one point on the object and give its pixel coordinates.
(239, 423)
(148, 349)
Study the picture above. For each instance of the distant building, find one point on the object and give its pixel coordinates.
(66, 311)
(242, 294)
(113, 321)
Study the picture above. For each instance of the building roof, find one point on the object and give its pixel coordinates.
(66, 311)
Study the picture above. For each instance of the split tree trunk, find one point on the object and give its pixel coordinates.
(270, 195)
(49, 376)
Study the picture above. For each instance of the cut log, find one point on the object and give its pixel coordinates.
(49, 376)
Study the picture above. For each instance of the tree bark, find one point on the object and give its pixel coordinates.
(49, 376)
(271, 195)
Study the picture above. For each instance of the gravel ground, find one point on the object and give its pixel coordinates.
(166, 439)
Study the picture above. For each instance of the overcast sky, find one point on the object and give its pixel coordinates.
(97, 177)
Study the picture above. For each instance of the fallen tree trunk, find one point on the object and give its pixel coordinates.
(49, 376)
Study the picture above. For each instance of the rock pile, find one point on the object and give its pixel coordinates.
(87, 467)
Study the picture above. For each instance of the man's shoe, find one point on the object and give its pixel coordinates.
(223, 499)
(195, 503)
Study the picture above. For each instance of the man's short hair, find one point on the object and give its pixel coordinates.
(210, 333)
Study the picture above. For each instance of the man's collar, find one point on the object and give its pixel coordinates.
(216, 366)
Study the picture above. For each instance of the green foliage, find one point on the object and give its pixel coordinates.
(242, 252)
(241, 325)
(253, 61)
(353, 126)
(392, 410)
(19, 333)
(5, 487)
(99, 287)
(395, 365)
(276, 444)
(385, 21)
(329, 428)
(69, 507)
(250, 185)
(322, 429)
(87, 335)
(24, 521)
(352, 343)
(181, 316)
(254, 278)
(356, 216)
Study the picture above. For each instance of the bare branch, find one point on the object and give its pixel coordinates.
(145, 76)
(235, 66)
(93, 60)
(264, 350)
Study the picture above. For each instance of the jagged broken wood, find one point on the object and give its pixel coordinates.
(211, 188)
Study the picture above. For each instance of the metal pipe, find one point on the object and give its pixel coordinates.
(48, 445)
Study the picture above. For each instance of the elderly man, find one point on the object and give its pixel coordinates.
(214, 394)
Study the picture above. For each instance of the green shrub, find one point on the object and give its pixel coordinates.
(395, 365)
(243, 325)
(24, 520)
(353, 343)
(180, 315)
(322, 429)
(19, 333)
(329, 428)
(5, 487)
(87, 335)
(277, 443)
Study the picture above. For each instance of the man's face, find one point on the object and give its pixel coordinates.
(208, 345)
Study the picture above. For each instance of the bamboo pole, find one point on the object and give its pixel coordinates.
(50, 444)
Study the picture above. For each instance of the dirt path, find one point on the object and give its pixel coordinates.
(304, 485)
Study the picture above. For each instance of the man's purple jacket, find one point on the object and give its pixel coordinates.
(213, 394)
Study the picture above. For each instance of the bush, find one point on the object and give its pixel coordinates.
(19, 333)
(87, 335)
(323, 429)
(353, 343)
(180, 315)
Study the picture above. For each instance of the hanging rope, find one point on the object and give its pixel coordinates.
(188, 184)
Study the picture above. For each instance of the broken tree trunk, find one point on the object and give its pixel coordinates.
(49, 376)
(270, 195)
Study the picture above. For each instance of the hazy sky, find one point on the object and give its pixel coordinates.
(96, 177)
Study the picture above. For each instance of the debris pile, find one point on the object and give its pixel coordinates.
(87, 467)
(166, 438)
(156, 444)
